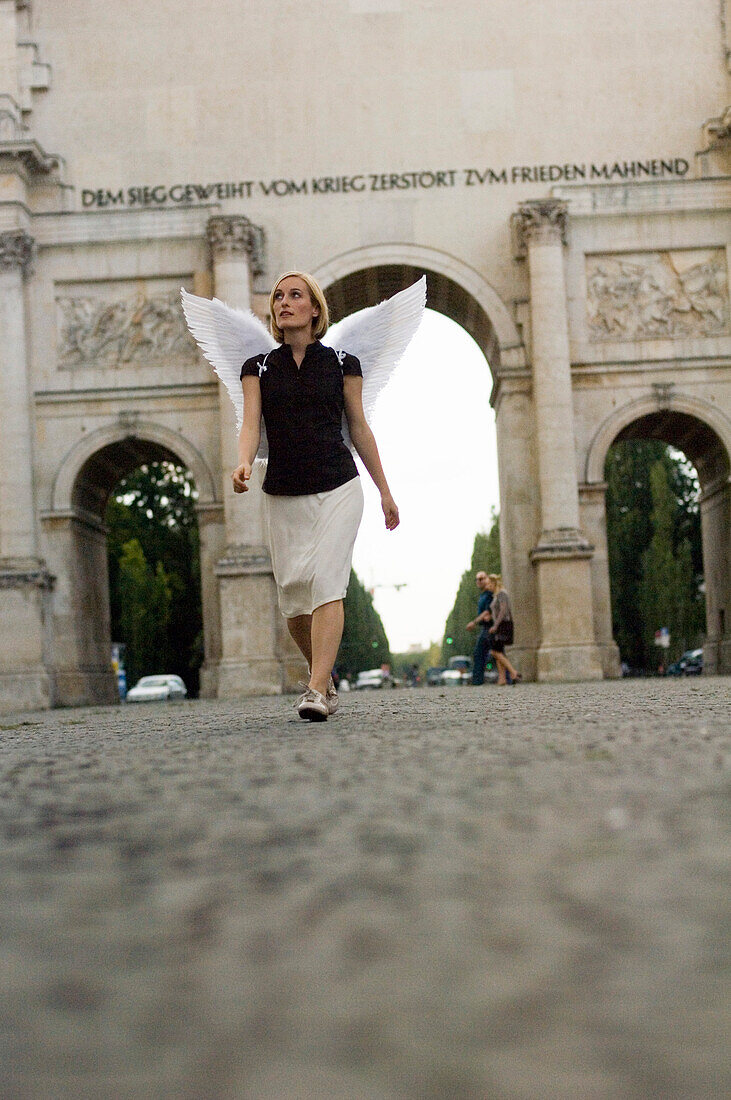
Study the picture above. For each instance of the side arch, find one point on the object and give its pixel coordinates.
(678, 406)
(62, 491)
(497, 335)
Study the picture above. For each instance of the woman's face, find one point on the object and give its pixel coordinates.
(490, 585)
(293, 308)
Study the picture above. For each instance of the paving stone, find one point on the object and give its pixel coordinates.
(460, 893)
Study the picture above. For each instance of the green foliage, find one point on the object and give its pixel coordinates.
(666, 590)
(655, 559)
(155, 506)
(364, 644)
(429, 657)
(145, 597)
(485, 555)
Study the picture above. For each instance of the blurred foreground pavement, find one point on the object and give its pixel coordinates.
(408, 902)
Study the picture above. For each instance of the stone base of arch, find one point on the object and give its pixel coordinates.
(567, 664)
(257, 655)
(79, 658)
(25, 592)
(568, 651)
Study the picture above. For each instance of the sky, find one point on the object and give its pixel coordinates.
(435, 431)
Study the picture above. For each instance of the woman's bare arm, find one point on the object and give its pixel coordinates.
(250, 434)
(365, 444)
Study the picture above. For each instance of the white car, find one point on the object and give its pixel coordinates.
(373, 678)
(155, 689)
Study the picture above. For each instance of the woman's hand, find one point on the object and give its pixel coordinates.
(390, 511)
(240, 476)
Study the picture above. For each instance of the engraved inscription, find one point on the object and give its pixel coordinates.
(143, 330)
(651, 295)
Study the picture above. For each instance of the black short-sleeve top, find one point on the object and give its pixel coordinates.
(303, 411)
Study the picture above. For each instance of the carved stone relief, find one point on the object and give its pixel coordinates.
(138, 329)
(651, 295)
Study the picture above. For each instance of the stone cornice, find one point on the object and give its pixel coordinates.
(540, 221)
(654, 197)
(235, 235)
(561, 542)
(30, 154)
(27, 578)
(16, 250)
(242, 559)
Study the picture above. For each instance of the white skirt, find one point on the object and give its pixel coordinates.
(311, 541)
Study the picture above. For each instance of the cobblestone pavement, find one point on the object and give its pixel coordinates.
(409, 902)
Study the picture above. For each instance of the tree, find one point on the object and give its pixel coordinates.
(485, 556)
(155, 505)
(631, 523)
(145, 596)
(666, 596)
(364, 644)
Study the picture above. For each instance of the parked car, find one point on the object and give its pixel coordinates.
(453, 677)
(373, 679)
(458, 670)
(690, 664)
(434, 676)
(155, 689)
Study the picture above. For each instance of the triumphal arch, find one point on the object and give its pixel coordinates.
(562, 180)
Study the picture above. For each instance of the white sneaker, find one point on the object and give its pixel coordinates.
(331, 697)
(312, 705)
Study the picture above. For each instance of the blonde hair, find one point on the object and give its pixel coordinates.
(495, 579)
(320, 323)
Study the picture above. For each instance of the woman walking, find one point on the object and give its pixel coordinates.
(313, 500)
(501, 630)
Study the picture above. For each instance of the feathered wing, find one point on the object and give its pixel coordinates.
(379, 336)
(227, 337)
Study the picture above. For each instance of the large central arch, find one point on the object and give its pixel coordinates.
(365, 276)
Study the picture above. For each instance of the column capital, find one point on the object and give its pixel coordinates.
(540, 221)
(236, 235)
(17, 249)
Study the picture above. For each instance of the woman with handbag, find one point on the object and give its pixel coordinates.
(501, 631)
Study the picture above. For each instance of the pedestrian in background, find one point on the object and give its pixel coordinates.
(501, 630)
(481, 622)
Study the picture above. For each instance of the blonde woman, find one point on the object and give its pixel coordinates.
(501, 630)
(312, 492)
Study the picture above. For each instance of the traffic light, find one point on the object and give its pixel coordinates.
(449, 640)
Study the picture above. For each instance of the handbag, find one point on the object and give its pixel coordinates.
(504, 632)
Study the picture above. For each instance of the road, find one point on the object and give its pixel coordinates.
(464, 893)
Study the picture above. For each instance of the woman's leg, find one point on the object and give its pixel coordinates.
(300, 628)
(500, 662)
(327, 631)
(504, 664)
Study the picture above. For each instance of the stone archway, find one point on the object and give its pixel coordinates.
(703, 434)
(75, 536)
(366, 276)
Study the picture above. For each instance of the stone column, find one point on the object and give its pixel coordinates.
(25, 585)
(561, 557)
(593, 513)
(715, 507)
(249, 662)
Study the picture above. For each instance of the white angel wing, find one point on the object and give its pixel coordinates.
(227, 337)
(379, 336)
